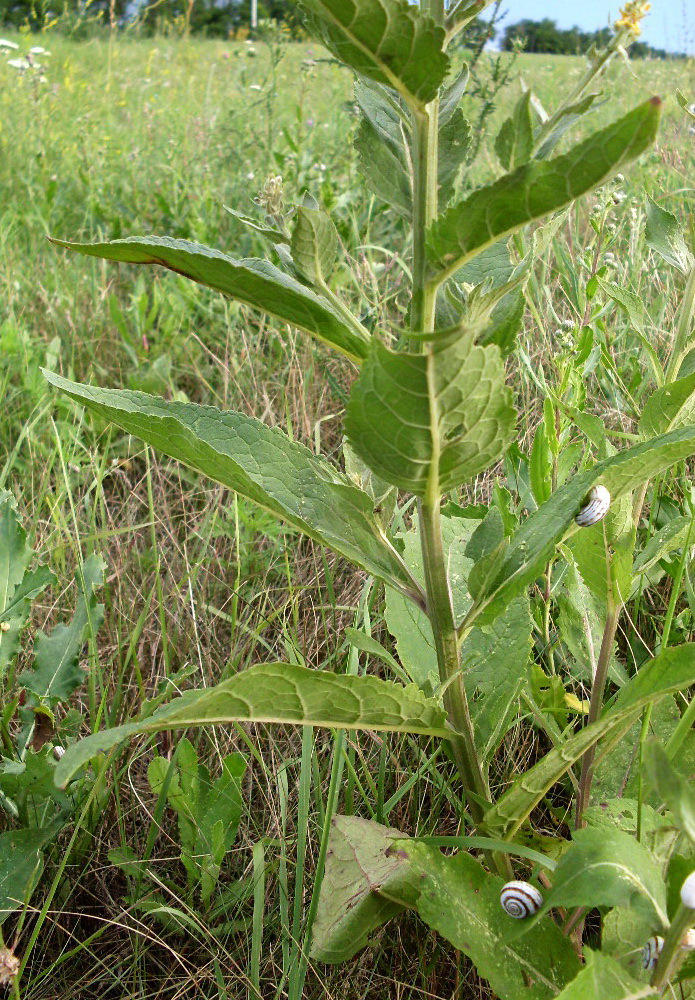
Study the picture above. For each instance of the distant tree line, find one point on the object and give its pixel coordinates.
(216, 18)
(545, 36)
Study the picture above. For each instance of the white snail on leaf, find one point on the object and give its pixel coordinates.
(651, 952)
(520, 899)
(594, 508)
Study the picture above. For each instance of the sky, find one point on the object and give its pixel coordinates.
(670, 24)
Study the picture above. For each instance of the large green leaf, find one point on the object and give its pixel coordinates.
(372, 873)
(538, 188)
(461, 901)
(602, 978)
(283, 693)
(260, 463)
(670, 671)
(534, 543)
(387, 41)
(257, 283)
(429, 422)
(606, 867)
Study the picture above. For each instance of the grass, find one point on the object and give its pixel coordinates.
(156, 136)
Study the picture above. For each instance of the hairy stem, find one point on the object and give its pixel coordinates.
(672, 954)
(595, 705)
(441, 616)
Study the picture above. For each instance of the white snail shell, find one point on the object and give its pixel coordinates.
(520, 899)
(594, 508)
(651, 951)
(688, 892)
(688, 942)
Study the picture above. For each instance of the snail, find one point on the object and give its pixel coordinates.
(688, 892)
(651, 951)
(520, 899)
(595, 507)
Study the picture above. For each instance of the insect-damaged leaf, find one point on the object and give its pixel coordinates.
(538, 188)
(260, 463)
(373, 873)
(385, 40)
(429, 422)
(254, 282)
(282, 693)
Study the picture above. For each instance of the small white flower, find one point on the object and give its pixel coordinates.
(250, 176)
(255, 86)
(20, 64)
(5, 43)
(38, 51)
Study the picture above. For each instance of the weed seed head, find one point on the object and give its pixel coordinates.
(9, 966)
(270, 196)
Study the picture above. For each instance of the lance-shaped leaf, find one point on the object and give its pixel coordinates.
(553, 131)
(602, 978)
(672, 787)
(535, 541)
(605, 867)
(315, 245)
(667, 673)
(538, 188)
(385, 40)
(664, 236)
(671, 406)
(254, 282)
(514, 141)
(385, 168)
(429, 422)
(260, 463)
(283, 693)
(454, 143)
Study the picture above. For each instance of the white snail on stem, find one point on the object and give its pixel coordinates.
(595, 507)
(520, 899)
(651, 952)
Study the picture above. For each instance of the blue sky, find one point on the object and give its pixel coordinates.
(670, 24)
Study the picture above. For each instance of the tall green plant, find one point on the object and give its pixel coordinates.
(430, 410)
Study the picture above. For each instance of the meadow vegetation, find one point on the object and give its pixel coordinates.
(157, 136)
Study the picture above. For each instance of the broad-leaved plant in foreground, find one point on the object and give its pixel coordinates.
(428, 411)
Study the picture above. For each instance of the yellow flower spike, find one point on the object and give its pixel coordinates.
(631, 16)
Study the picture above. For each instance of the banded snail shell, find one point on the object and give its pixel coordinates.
(520, 899)
(651, 951)
(594, 508)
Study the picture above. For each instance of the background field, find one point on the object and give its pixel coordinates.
(157, 136)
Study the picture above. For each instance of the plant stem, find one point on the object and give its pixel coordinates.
(441, 616)
(685, 319)
(597, 689)
(672, 954)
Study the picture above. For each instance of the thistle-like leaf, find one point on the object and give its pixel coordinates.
(260, 463)
(539, 188)
(281, 693)
(254, 282)
(429, 422)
